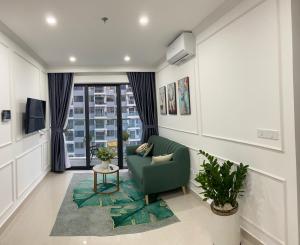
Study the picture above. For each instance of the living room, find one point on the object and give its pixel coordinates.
(141, 122)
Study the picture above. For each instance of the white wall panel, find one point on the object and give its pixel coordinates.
(240, 78)
(26, 80)
(243, 82)
(6, 187)
(29, 168)
(171, 74)
(5, 127)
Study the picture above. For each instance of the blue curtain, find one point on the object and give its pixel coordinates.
(143, 87)
(60, 89)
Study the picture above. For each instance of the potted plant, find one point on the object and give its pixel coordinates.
(223, 184)
(105, 155)
(125, 136)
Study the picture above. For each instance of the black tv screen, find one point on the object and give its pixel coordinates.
(35, 115)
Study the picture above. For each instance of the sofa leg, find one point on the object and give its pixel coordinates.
(183, 190)
(147, 199)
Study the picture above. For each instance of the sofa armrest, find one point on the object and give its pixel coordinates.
(164, 176)
(131, 149)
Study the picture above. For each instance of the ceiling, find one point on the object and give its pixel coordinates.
(81, 32)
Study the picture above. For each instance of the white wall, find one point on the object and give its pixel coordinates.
(24, 159)
(241, 80)
(296, 70)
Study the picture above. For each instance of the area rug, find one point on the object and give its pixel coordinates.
(93, 214)
(127, 205)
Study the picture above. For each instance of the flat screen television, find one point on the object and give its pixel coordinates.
(35, 115)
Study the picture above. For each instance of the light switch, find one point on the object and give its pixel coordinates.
(268, 134)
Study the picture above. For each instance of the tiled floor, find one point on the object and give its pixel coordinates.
(34, 220)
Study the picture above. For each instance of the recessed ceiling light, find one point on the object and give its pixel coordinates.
(144, 20)
(127, 58)
(72, 59)
(51, 20)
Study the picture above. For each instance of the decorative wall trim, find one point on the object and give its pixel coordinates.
(179, 130)
(28, 151)
(6, 144)
(18, 202)
(262, 231)
(20, 193)
(207, 37)
(245, 142)
(13, 186)
(45, 165)
(193, 74)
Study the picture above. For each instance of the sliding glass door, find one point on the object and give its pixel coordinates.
(101, 116)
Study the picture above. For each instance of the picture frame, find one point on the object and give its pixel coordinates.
(163, 100)
(184, 96)
(172, 100)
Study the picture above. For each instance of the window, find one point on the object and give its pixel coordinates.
(137, 132)
(79, 133)
(91, 98)
(69, 135)
(132, 134)
(110, 122)
(131, 123)
(79, 122)
(71, 113)
(131, 110)
(110, 99)
(131, 100)
(101, 144)
(99, 89)
(79, 145)
(92, 110)
(78, 98)
(110, 110)
(70, 148)
(70, 124)
(100, 112)
(110, 133)
(99, 123)
(99, 100)
(78, 110)
(100, 135)
(92, 122)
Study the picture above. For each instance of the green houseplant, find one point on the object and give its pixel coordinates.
(125, 136)
(223, 184)
(105, 155)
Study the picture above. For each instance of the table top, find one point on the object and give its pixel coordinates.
(111, 169)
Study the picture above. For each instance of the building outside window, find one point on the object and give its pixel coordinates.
(78, 98)
(79, 145)
(78, 110)
(102, 103)
(79, 133)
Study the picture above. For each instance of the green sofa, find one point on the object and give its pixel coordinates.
(163, 176)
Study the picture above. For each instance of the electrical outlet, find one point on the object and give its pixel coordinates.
(268, 134)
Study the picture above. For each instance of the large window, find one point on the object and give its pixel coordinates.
(111, 113)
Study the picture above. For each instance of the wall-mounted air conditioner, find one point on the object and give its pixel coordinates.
(181, 49)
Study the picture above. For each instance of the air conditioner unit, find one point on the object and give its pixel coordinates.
(181, 49)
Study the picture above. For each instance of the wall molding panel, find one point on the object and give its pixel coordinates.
(20, 76)
(206, 38)
(229, 116)
(11, 182)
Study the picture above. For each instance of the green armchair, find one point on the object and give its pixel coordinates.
(163, 176)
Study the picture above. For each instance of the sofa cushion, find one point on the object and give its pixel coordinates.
(136, 163)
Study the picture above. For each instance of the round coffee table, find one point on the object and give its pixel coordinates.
(97, 169)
